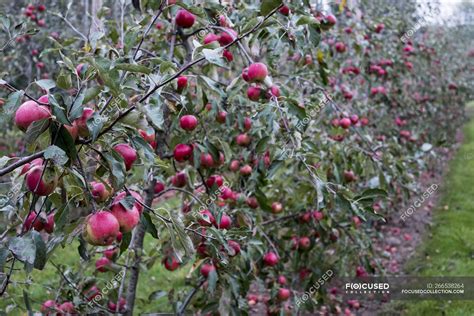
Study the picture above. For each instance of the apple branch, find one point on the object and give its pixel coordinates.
(188, 299)
(13, 89)
(197, 61)
(21, 162)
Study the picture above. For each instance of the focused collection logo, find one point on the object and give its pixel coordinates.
(367, 288)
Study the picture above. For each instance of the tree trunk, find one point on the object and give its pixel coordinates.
(136, 246)
(85, 18)
(96, 22)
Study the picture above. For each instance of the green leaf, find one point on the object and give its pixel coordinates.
(294, 108)
(213, 150)
(116, 168)
(268, 6)
(4, 160)
(262, 200)
(13, 102)
(76, 109)
(61, 216)
(3, 257)
(149, 226)
(56, 154)
(262, 144)
(214, 56)
(64, 80)
(64, 141)
(126, 239)
(35, 130)
(371, 194)
(26, 299)
(40, 258)
(46, 84)
(59, 108)
(426, 147)
(183, 238)
(24, 248)
(156, 295)
(95, 124)
(141, 145)
(154, 114)
(91, 93)
(133, 68)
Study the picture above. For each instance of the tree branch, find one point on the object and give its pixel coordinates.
(20, 163)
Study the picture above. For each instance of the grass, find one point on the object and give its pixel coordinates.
(44, 284)
(448, 249)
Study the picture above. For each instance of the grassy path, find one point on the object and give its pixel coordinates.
(448, 248)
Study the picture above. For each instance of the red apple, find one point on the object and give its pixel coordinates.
(345, 123)
(228, 55)
(99, 191)
(227, 37)
(48, 307)
(127, 218)
(254, 93)
(340, 47)
(171, 263)
(81, 122)
(257, 72)
(245, 74)
(111, 253)
(210, 38)
(379, 28)
(225, 222)
(184, 18)
(182, 82)
(49, 225)
(246, 170)
(331, 19)
(304, 243)
(188, 122)
(206, 269)
(67, 308)
(206, 160)
(113, 306)
(247, 124)
(274, 91)
(215, 179)
(221, 117)
(101, 228)
(128, 153)
(33, 221)
(138, 199)
(159, 187)
(281, 280)
(234, 165)
(179, 180)
(283, 294)
(102, 264)
(242, 140)
(39, 183)
(252, 202)
(30, 112)
(147, 137)
(284, 10)
(206, 218)
(182, 152)
(349, 176)
(235, 246)
(270, 259)
(277, 207)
